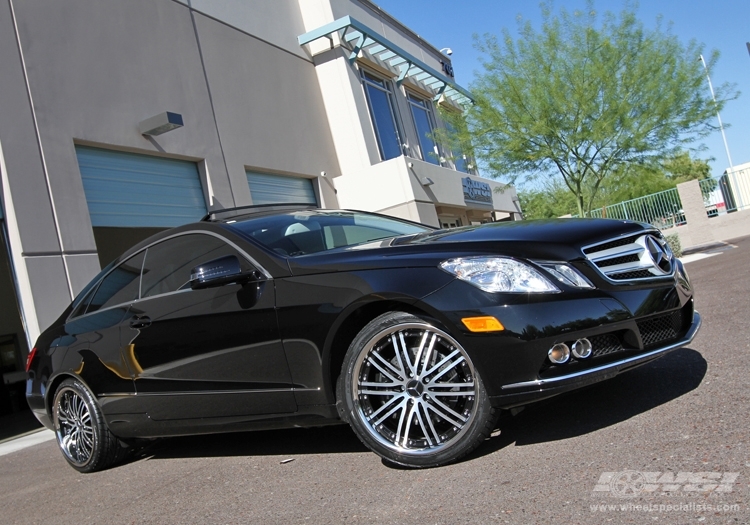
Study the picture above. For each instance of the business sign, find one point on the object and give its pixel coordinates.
(447, 68)
(476, 191)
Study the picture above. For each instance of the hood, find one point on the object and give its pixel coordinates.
(550, 239)
(573, 232)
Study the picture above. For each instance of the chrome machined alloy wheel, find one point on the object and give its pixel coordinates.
(415, 388)
(415, 396)
(81, 431)
(75, 433)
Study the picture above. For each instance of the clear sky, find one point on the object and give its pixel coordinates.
(723, 25)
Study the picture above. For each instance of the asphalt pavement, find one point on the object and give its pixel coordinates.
(664, 443)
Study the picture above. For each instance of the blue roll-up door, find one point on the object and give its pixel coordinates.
(131, 190)
(278, 189)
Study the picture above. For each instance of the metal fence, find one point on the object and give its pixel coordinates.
(663, 210)
(724, 194)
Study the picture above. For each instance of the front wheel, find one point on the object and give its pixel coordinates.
(412, 394)
(82, 434)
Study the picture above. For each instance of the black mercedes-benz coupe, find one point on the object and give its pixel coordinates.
(285, 316)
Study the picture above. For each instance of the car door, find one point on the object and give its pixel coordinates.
(213, 352)
(92, 334)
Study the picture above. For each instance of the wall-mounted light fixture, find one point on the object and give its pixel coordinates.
(426, 181)
(160, 123)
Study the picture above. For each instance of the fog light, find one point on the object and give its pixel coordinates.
(582, 348)
(559, 354)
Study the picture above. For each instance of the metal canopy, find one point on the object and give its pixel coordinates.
(357, 37)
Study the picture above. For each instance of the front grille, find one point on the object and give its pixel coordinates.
(605, 344)
(611, 244)
(660, 329)
(641, 274)
(645, 255)
(619, 260)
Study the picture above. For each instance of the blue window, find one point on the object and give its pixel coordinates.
(382, 112)
(421, 111)
(459, 158)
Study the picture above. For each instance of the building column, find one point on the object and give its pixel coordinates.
(695, 212)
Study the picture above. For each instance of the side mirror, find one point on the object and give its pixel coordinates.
(218, 272)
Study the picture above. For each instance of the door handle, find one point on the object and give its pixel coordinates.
(140, 321)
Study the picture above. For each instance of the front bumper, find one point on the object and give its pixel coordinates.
(524, 392)
(627, 326)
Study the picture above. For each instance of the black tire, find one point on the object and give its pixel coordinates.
(82, 434)
(428, 411)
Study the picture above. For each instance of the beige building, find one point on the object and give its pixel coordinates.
(381, 89)
(122, 117)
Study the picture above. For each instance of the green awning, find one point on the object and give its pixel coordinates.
(357, 37)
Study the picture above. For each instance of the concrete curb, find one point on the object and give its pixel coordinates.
(26, 440)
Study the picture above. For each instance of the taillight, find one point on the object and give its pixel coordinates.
(30, 358)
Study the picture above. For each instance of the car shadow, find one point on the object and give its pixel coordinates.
(600, 405)
(565, 416)
(334, 439)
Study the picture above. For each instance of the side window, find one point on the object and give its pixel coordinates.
(381, 104)
(81, 308)
(459, 157)
(421, 111)
(121, 285)
(168, 264)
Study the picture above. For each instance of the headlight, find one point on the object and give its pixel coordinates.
(566, 274)
(499, 274)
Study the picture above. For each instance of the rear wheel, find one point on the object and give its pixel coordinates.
(411, 392)
(82, 434)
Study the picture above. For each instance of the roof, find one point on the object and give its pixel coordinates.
(230, 213)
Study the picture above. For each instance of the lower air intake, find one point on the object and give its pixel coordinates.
(659, 329)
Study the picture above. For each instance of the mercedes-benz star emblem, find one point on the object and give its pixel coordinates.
(661, 258)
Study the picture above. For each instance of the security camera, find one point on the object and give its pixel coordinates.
(447, 51)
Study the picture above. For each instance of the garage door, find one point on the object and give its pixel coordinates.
(278, 189)
(131, 190)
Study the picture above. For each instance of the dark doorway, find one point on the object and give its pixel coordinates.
(15, 416)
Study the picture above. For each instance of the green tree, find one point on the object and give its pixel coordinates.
(628, 182)
(554, 199)
(682, 168)
(581, 101)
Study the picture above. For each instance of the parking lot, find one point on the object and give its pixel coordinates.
(666, 443)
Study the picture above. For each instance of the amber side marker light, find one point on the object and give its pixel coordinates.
(482, 324)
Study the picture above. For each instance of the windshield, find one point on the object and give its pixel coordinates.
(311, 231)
